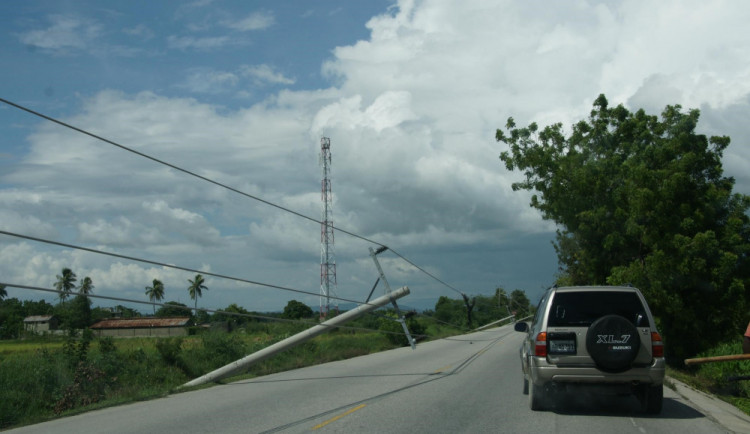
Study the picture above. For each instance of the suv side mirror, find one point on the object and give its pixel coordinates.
(521, 327)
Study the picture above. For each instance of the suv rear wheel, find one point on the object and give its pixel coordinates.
(651, 398)
(537, 399)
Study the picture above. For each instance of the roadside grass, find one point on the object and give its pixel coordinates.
(718, 378)
(53, 377)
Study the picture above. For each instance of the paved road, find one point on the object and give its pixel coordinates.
(467, 384)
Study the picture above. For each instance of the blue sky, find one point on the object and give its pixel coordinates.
(409, 92)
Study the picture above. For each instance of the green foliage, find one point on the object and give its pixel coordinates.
(394, 332)
(173, 309)
(486, 309)
(643, 200)
(720, 373)
(75, 314)
(196, 288)
(297, 310)
(450, 311)
(66, 282)
(155, 292)
(87, 286)
(233, 315)
(169, 349)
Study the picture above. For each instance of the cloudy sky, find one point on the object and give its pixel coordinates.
(409, 92)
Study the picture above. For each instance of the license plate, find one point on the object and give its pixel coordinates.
(562, 347)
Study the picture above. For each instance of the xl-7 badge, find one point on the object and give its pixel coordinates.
(610, 339)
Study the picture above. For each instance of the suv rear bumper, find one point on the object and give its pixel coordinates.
(542, 373)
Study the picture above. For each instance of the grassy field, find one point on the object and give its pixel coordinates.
(44, 378)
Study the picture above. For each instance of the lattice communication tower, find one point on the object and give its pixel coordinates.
(327, 256)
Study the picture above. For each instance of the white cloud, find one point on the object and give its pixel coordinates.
(264, 74)
(210, 81)
(66, 32)
(256, 21)
(141, 31)
(204, 43)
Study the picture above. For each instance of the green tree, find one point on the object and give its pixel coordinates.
(226, 314)
(66, 281)
(79, 312)
(519, 303)
(155, 292)
(3, 292)
(450, 311)
(296, 310)
(196, 289)
(87, 286)
(643, 200)
(173, 309)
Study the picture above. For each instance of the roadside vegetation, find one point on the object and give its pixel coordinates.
(52, 375)
(46, 377)
(728, 380)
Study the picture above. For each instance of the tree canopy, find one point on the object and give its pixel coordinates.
(641, 199)
(65, 283)
(296, 310)
(196, 289)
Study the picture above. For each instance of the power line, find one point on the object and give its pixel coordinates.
(162, 264)
(219, 184)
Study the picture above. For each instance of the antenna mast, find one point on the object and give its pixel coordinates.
(327, 256)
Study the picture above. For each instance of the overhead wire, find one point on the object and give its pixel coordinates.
(225, 186)
(162, 264)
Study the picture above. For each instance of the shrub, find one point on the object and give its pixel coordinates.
(721, 373)
(169, 349)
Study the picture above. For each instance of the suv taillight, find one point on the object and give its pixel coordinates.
(540, 346)
(657, 346)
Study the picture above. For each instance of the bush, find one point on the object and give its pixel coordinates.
(395, 332)
(216, 350)
(720, 373)
(169, 349)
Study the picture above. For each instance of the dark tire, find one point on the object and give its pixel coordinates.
(652, 398)
(525, 386)
(613, 343)
(536, 397)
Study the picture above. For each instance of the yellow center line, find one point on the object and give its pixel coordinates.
(443, 369)
(322, 424)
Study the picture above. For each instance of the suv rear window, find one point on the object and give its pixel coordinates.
(580, 309)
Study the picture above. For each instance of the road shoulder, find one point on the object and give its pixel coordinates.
(725, 414)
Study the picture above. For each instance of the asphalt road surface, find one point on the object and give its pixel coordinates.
(467, 384)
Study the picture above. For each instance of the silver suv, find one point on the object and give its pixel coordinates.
(602, 338)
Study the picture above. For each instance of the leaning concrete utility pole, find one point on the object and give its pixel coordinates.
(237, 366)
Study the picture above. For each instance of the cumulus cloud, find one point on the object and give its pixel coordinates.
(411, 114)
(265, 74)
(199, 43)
(64, 33)
(255, 21)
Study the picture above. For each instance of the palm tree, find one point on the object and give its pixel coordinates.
(155, 292)
(196, 289)
(65, 283)
(87, 286)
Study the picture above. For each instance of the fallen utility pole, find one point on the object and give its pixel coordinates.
(238, 365)
(717, 359)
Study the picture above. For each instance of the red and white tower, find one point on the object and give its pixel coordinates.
(327, 256)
